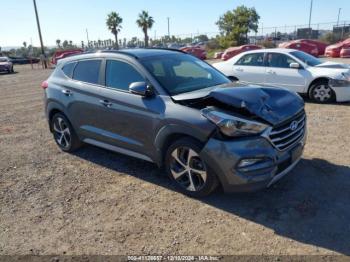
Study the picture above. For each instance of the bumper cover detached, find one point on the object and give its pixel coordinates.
(268, 164)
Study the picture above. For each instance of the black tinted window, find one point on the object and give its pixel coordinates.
(256, 59)
(120, 75)
(278, 60)
(87, 71)
(68, 69)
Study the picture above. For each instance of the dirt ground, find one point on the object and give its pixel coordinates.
(98, 202)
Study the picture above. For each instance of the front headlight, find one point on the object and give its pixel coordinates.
(231, 125)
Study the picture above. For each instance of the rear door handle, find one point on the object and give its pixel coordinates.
(106, 103)
(67, 92)
(271, 72)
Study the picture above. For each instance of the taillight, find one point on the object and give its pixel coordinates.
(44, 85)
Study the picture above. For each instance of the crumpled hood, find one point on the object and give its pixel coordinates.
(333, 65)
(272, 104)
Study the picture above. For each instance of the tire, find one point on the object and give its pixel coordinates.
(64, 134)
(191, 176)
(12, 70)
(321, 92)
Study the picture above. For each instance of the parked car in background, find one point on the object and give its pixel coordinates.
(335, 49)
(345, 52)
(59, 54)
(179, 112)
(195, 51)
(233, 51)
(6, 65)
(321, 46)
(23, 60)
(293, 69)
(218, 55)
(302, 46)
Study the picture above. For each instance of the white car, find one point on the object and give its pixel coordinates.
(292, 69)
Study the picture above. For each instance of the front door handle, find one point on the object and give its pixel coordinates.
(67, 92)
(106, 103)
(271, 72)
(239, 69)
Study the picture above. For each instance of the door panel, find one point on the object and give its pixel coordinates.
(250, 68)
(129, 120)
(279, 73)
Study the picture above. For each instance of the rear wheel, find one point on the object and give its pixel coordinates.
(321, 92)
(64, 134)
(187, 170)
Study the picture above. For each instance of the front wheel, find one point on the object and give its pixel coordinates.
(321, 92)
(187, 170)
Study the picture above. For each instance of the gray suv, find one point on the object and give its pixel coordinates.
(172, 109)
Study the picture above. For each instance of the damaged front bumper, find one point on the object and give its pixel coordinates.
(228, 159)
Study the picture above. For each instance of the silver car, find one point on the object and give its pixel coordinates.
(170, 108)
(6, 65)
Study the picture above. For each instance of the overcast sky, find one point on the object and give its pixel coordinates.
(68, 19)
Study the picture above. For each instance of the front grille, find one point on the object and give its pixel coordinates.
(283, 136)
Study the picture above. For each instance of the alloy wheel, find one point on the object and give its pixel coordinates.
(62, 133)
(188, 169)
(322, 93)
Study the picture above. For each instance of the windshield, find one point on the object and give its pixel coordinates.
(181, 73)
(306, 58)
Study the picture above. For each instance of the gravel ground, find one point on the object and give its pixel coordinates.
(98, 202)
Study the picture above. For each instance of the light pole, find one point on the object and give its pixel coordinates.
(39, 31)
(338, 16)
(310, 30)
(168, 26)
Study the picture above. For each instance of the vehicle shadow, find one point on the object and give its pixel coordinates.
(6, 73)
(311, 205)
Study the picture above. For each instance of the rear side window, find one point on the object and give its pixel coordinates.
(120, 75)
(256, 59)
(87, 71)
(68, 69)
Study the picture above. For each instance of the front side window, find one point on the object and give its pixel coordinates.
(279, 60)
(181, 73)
(120, 75)
(68, 69)
(256, 59)
(87, 71)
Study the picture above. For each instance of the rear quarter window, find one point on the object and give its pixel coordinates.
(87, 71)
(68, 69)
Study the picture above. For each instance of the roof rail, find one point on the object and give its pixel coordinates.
(169, 49)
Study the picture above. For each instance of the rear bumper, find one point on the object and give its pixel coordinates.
(223, 158)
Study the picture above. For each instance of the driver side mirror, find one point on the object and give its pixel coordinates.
(294, 65)
(141, 88)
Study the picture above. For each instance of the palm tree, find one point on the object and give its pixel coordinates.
(25, 44)
(58, 43)
(113, 23)
(145, 22)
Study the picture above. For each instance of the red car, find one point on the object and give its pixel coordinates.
(195, 51)
(302, 46)
(334, 50)
(64, 53)
(321, 46)
(233, 51)
(345, 52)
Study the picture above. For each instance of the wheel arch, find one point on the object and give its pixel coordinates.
(318, 79)
(168, 134)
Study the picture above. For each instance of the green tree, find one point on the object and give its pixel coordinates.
(25, 44)
(58, 43)
(65, 44)
(202, 38)
(145, 22)
(235, 25)
(113, 23)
